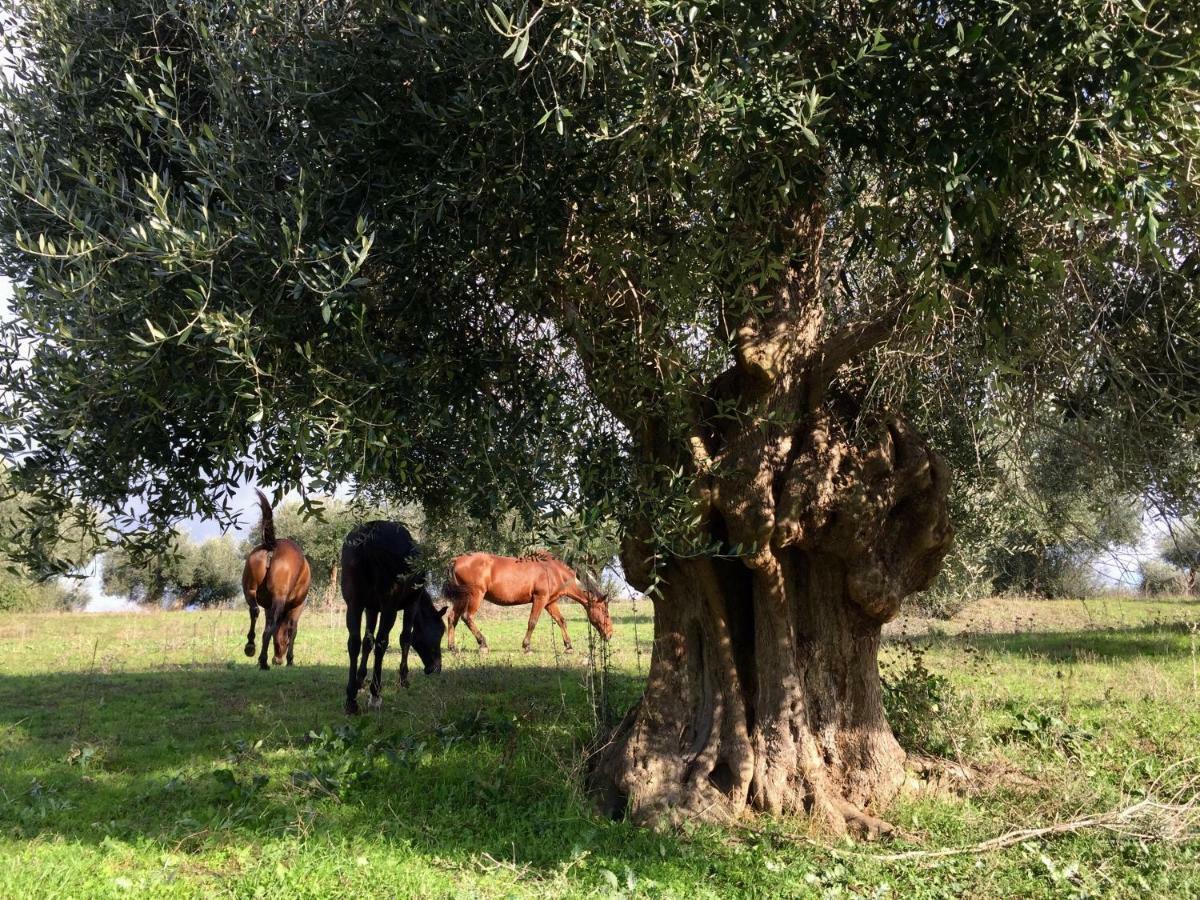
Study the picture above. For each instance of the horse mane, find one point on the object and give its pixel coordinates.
(540, 556)
(268, 521)
(590, 583)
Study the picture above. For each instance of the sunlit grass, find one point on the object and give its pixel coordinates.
(143, 753)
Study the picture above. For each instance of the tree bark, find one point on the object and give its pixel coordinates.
(764, 692)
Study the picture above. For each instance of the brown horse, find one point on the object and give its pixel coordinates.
(276, 577)
(541, 580)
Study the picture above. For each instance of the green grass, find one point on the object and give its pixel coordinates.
(143, 754)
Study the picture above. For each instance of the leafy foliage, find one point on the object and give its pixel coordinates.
(474, 254)
(1159, 579)
(1181, 546)
(206, 573)
(926, 712)
(1046, 731)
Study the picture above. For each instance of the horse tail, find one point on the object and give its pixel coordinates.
(268, 521)
(452, 589)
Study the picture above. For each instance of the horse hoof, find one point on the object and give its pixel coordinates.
(375, 704)
(483, 649)
(352, 707)
(262, 664)
(249, 648)
(568, 649)
(527, 650)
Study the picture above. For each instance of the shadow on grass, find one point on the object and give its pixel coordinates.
(482, 759)
(1154, 640)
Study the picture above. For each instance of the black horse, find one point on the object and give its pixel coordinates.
(379, 578)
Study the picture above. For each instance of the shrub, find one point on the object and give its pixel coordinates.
(926, 713)
(1159, 578)
(20, 594)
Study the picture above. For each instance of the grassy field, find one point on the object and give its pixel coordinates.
(143, 754)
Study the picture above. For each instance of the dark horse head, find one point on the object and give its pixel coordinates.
(427, 631)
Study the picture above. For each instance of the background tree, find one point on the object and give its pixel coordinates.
(1180, 548)
(684, 266)
(185, 572)
(1054, 513)
(1036, 517)
(1157, 578)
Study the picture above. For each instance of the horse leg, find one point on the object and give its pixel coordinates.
(253, 604)
(451, 621)
(267, 635)
(295, 626)
(367, 644)
(557, 616)
(539, 603)
(473, 604)
(406, 626)
(353, 642)
(386, 620)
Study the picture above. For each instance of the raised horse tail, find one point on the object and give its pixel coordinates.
(268, 521)
(452, 589)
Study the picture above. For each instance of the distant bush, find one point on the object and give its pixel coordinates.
(1181, 548)
(20, 587)
(205, 574)
(1055, 573)
(20, 594)
(1076, 581)
(1159, 579)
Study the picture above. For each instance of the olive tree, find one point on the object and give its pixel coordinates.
(184, 571)
(704, 270)
(1180, 548)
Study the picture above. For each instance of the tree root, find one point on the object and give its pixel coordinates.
(861, 825)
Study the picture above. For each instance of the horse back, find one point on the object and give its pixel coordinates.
(504, 579)
(283, 573)
(375, 557)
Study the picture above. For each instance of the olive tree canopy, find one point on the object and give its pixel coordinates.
(705, 269)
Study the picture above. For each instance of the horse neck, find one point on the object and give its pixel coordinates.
(578, 596)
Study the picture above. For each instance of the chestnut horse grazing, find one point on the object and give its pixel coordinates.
(540, 579)
(380, 578)
(276, 577)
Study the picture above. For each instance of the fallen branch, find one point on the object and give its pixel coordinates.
(1177, 818)
(1175, 822)
(1166, 814)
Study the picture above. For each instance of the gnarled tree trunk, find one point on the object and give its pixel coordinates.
(764, 688)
